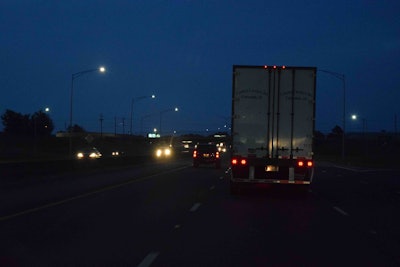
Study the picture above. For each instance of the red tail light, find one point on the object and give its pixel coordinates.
(195, 154)
(217, 155)
(302, 163)
(236, 161)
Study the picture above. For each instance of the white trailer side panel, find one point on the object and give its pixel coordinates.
(250, 96)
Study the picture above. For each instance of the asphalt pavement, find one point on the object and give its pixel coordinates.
(171, 214)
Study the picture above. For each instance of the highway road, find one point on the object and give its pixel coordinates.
(171, 214)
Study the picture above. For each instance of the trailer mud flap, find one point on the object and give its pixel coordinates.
(251, 172)
(291, 174)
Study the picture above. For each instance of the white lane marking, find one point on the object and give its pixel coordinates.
(212, 187)
(221, 178)
(94, 192)
(149, 259)
(195, 207)
(177, 226)
(340, 211)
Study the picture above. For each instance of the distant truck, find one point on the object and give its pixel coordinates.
(273, 120)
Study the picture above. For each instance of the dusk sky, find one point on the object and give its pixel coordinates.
(183, 52)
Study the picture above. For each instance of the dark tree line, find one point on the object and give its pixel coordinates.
(36, 124)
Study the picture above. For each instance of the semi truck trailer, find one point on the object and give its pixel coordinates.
(273, 121)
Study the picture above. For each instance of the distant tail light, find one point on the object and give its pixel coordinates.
(217, 155)
(195, 154)
(236, 161)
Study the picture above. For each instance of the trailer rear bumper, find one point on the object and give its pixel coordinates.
(269, 181)
(283, 176)
(273, 171)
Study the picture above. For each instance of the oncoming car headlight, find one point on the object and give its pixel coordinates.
(164, 152)
(159, 153)
(79, 155)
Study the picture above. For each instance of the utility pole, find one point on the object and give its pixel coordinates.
(341, 77)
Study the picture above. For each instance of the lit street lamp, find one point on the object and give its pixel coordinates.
(42, 124)
(161, 114)
(133, 100)
(354, 117)
(343, 79)
(74, 76)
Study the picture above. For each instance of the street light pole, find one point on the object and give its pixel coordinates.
(73, 77)
(164, 111)
(364, 131)
(341, 77)
(142, 119)
(132, 102)
(35, 126)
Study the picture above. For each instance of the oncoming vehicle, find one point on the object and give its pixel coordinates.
(117, 153)
(206, 154)
(221, 147)
(163, 152)
(88, 153)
